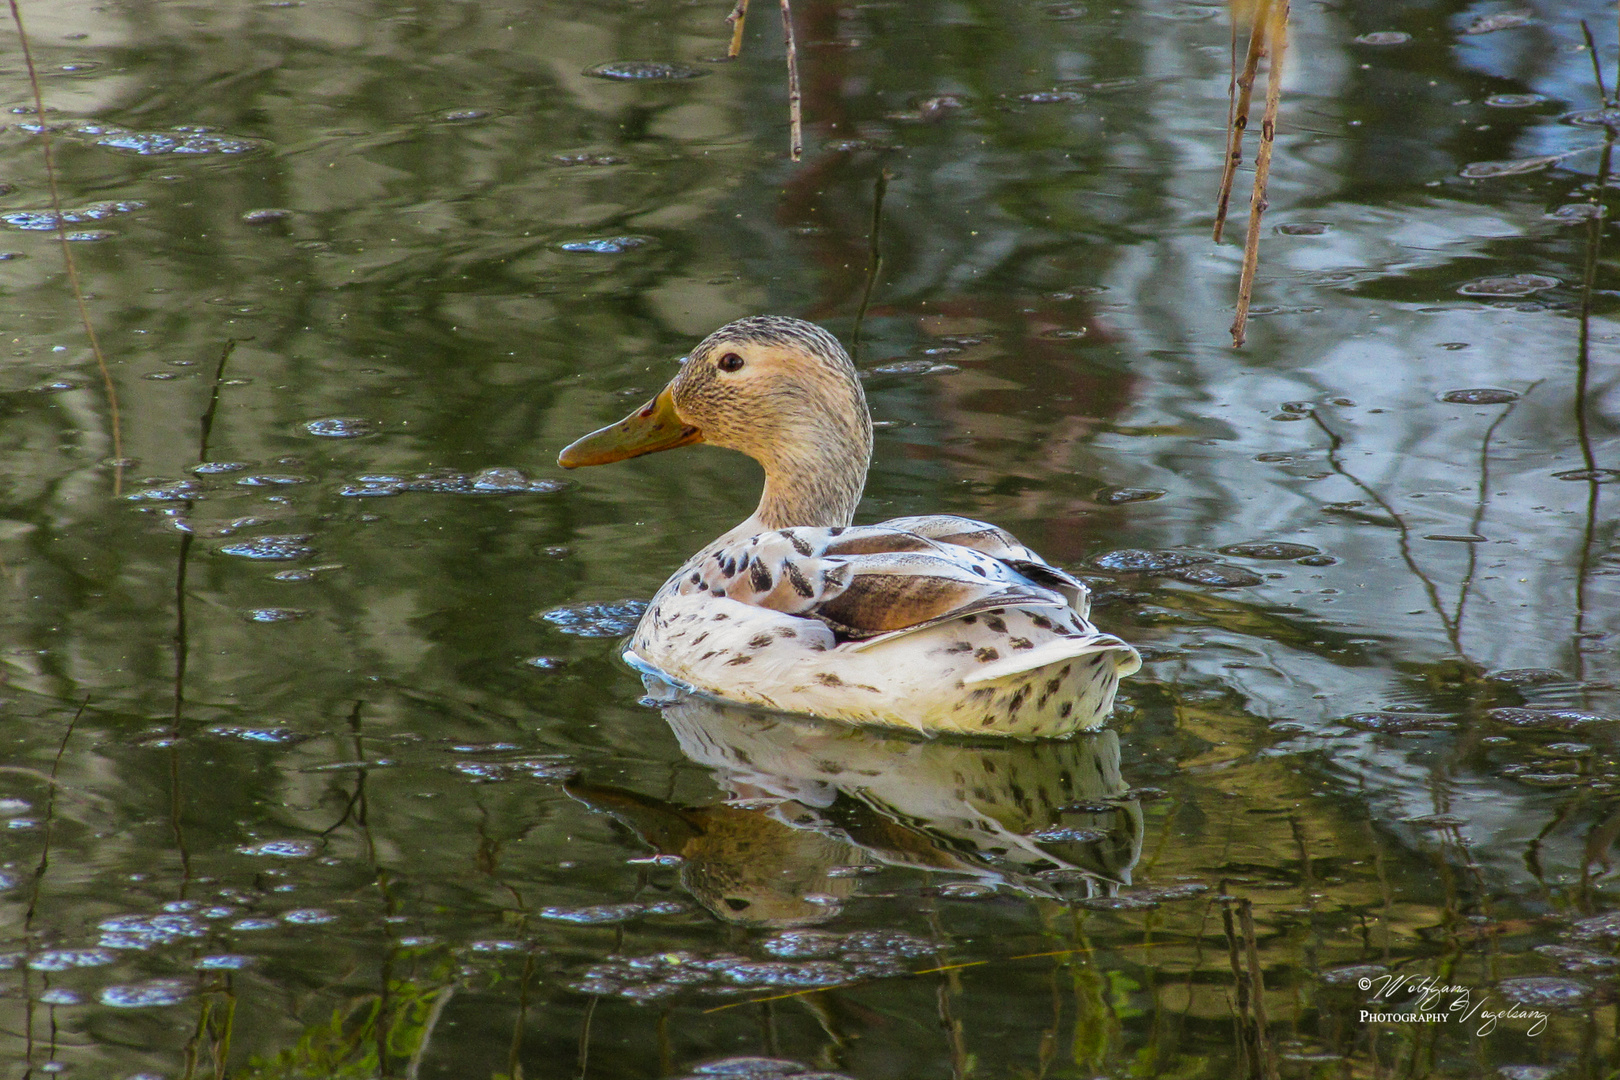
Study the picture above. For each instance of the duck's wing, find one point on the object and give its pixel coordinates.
(867, 581)
(998, 543)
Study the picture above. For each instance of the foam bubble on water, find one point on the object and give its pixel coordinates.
(47, 220)
(308, 916)
(1270, 550)
(285, 547)
(178, 141)
(612, 619)
(1119, 496)
(594, 915)
(605, 245)
(1219, 575)
(341, 427)
(645, 71)
(224, 962)
(1545, 991)
(1509, 285)
(283, 849)
(146, 931)
(1137, 561)
(144, 995)
(1484, 170)
(65, 959)
(274, 615)
(274, 480)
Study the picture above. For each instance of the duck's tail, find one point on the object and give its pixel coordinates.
(1058, 651)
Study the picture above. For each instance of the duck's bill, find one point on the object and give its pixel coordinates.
(651, 428)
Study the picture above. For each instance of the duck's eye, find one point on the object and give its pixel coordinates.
(730, 362)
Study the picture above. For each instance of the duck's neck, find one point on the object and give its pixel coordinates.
(816, 481)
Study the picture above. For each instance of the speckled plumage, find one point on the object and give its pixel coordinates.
(936, 623)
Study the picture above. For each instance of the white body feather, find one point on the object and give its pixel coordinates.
(989, 642)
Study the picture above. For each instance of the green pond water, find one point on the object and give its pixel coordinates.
(317, 758)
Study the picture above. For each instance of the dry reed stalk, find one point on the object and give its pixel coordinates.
(1237, 114)
(67, 252)
(1276, 21)
(738, 16)
(795, 112)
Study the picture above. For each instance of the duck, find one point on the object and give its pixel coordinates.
(937, 624)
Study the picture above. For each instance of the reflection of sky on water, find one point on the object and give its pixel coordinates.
(1549, 58)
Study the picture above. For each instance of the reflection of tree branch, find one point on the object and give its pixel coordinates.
(874, 260)
(355, 808)
(67, 250)
(1583, 367)
(585, 1036)
(182, 639)
(1480, 504)
(1334, 443)
(39, 879)
(1532, 850)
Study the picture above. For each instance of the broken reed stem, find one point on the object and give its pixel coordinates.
(738, 16)
(795, 112)
(67, 252)
(1237, 117)
(1278, 21)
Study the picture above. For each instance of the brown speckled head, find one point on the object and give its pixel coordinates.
(784, 392)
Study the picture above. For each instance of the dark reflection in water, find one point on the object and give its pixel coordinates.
(316, 756)
(809, 803)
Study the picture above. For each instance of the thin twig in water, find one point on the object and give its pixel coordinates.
(1597, 66)
(1257, 988)
(1240, 986)
(50, 810)
(1237, 116)
(585, 1037)
(795, 112)
(67, 252)
(1278, 32)
(874, 258)
(738, 16)
(1583, 370)
(39, 881)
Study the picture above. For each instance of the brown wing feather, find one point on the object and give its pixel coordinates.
(965, 532)
(905, 591)
(997, 543)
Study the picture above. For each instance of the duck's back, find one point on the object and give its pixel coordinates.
(935, 623)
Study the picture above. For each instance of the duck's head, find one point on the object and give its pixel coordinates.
(780, 390)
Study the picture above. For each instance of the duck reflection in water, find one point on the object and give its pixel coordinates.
(812, 808)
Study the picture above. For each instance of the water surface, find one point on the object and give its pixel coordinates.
(317, 763)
